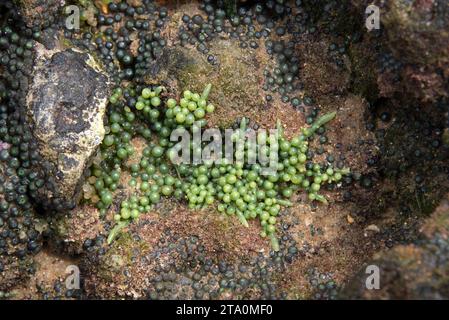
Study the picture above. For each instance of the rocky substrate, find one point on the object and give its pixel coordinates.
(290, 61)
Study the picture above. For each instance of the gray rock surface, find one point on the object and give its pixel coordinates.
(66, 105)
